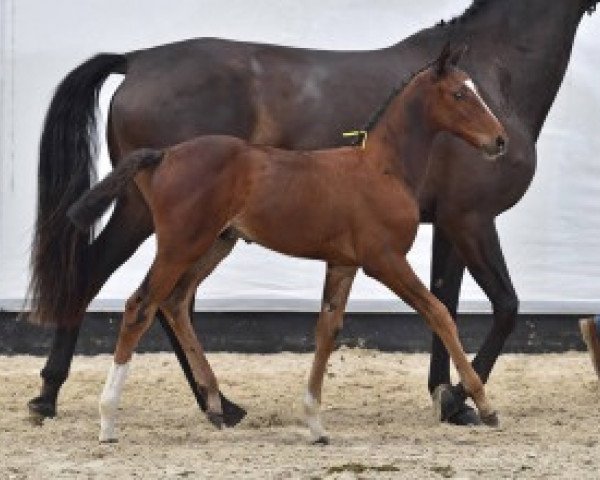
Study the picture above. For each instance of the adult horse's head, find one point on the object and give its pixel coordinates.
(456, 106)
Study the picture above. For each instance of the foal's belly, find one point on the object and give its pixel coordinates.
(298, 236)
(341, 233)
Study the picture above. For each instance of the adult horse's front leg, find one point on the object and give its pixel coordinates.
(338, 282)
(479, 246)
(447, 269)
(394, 272)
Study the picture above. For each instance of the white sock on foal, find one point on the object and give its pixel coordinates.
(313, 418)
(109, 401)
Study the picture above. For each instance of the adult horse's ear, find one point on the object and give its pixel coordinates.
(457, 54)
(441, 64)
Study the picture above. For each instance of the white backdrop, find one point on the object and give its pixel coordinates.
(551, 239)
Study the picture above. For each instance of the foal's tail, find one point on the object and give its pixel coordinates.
(59, 253)
(93, 203)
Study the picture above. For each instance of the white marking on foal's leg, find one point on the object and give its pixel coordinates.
(109, 401)
(313, 419)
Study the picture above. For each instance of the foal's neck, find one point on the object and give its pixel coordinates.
(401, 141)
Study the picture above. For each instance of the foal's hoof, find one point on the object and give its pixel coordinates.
(216, 419)
(490, 419)
(452, 409)
(232, 413)
(107, 441)
(322, 440)
(41, 408)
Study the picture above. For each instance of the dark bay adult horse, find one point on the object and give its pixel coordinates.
(328, 204)
(299, 99)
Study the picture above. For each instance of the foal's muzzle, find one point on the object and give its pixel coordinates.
(496, 148)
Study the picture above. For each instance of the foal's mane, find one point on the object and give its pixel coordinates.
(377, 114)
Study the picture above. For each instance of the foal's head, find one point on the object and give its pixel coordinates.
(454, 105)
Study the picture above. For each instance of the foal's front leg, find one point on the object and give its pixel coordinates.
(338, 282)
(394, 272)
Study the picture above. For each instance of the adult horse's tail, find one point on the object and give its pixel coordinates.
(68, 148)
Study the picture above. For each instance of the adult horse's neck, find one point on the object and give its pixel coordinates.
(400, 143)
(528, 42)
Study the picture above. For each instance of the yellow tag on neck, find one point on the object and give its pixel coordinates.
(356, 133)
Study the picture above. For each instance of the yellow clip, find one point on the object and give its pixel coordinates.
(356, 133)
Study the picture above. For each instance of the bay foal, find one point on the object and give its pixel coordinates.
(351, 207)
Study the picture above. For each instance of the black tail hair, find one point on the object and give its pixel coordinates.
(68, 146)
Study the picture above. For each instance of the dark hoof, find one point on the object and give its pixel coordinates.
(216, 419)
(232, 413)
(322, 440)
(465, 415)
(452, 409)
(491, 420)
(109, 441)
(41, 408)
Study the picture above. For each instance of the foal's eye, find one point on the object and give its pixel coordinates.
(459, 95)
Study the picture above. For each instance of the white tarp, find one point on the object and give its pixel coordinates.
(551, 239)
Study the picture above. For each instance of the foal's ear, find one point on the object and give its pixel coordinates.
(457, 54)
(441, 64)
(449, 57)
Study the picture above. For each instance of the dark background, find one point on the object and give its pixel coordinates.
(270, 332)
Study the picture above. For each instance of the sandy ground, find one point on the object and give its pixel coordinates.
(377, 412)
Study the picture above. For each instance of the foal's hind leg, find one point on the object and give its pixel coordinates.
(203, 374)
(335, 295)
(139, 313)
(220, 409)
(129, 335)
(394, 271)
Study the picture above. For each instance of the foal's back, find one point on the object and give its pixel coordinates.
(336, 205)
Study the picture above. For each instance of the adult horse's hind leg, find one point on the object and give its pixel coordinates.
(175, 309)
(394, 271)
(338, 282)
(129, 225)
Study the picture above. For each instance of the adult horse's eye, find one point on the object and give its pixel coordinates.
(459, 95)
